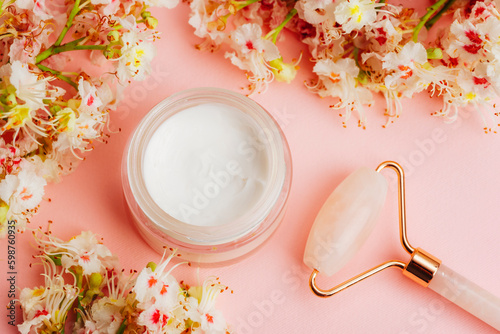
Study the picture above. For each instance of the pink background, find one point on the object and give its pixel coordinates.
(452, 203)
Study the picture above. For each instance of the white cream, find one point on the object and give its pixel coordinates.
(207, 165)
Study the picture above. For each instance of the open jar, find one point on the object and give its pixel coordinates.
(207, 172)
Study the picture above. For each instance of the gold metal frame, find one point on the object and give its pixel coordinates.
(422, 266)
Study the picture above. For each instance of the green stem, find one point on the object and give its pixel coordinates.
(436, 17)
(362, 76)
(430, 11)
(58, 75)
(4, 5)
(50, 51)
(241, 5)
(122, 327)
(275, 32)
(355, 54)
(79, 284)
(87, 47)
(71, 46)
(69, 23)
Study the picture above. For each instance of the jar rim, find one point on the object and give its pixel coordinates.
(278, 155)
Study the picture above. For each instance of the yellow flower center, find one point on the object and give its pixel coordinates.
(139, 53)
(18, 117)
(38, 292)
(470, 96)
(66, 119)
(356, 11)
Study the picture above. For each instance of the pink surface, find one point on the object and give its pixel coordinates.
(452, 204)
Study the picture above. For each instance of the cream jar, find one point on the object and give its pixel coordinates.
(207, 172)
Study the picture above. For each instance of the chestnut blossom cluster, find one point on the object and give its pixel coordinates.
(82, 276)
(51, 111)
(364, 47)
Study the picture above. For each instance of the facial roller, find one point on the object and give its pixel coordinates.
(346, 220)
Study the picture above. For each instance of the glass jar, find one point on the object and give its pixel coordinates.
(208, 244)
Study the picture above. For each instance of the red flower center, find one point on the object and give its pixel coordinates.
(249, 45)
(479, 11)
(408, 72)
(381, 38)
(90, 101)
(152, 281)
(164, 289)
(472, 48)
(25, 195)
(40, 313)
(157, 317)
(453, 62)
(481, 81)
(473, 36)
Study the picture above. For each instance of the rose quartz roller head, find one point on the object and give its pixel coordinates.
(346, 220)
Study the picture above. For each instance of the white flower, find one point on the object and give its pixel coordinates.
(47, 168)
(338, 79)
(10, 158)
(136, 57)
(160, 298)
(253, 54)
(157, 285)
(203, 301)
(107, 96)
(482, 10)
(25, 4)
(205, 21)
(409, 73)
(38, 7)
(24, 50)
(106, 314)
(23, 191)
(154, 319)
(86, 127)
(336, 72)
(476, 87)
(406, 69)
(31, 299)
(110, 7)
(491, 30)
(385, 34)
(47, 307)
(77, 131)
(21, 117)
(213, 322)
(34, 321)
(315, 11)
(83, 250)
(90, 101)
(355, 14)
(248, 38)
(29, 87)
(467, 42)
